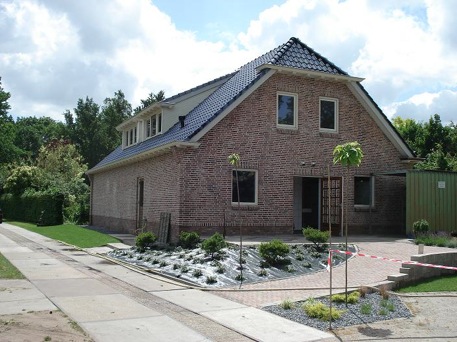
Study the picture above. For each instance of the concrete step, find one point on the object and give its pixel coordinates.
(397, 277)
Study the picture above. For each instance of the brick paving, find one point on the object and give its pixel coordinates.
(361, 271)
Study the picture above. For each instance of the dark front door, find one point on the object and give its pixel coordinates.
(331, 205)
(310, 202)
(140, 202)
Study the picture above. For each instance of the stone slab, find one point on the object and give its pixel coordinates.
(264, 326)
(149, 284)
(25, 255)
(102, 308)
(22, 306)
(51, 272)
(18, 289)
(72, 287)
(157, 329)
(119, 245)
(198, 301)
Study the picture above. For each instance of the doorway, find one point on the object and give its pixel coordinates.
(306, 203)
(140, 203)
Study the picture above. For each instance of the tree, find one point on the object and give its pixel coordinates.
(348, 154)
(32, 133)
(115, 110)
(4, 105)
(84, 130)
(151, 99)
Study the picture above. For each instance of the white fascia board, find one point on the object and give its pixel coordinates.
(312, 74)
(140, 116)
(232, 106)
(144, 155)
(380, 120)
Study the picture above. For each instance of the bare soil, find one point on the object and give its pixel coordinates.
(40, 326)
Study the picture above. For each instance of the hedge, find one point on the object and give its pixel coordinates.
(39, 208)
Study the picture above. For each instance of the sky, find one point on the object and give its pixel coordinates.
(54, 52)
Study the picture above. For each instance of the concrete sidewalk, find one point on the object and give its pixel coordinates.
(114, 303)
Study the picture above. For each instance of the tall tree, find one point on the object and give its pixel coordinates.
(84, 130)
(151, 99)
(114, 111)
(8, 150)
(32, 133)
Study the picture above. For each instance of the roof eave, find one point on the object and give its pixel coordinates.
(311, 73)
(142, 156)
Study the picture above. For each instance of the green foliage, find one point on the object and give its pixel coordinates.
(439, 284)
(22, 178)
(315, 309)
(234, 159)
(214, 244)
(197, 273)
(316, 236)
(274, 251)
(287, 304)
(189, 239)
(341, 297)
(151, 99)
(145, 239)
(421, 227)
(366, 309)
(348, 154)
(45, 208)
(387, 304)
(211, 280)
(436, 240)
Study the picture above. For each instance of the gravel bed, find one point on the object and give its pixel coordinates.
(352, 316)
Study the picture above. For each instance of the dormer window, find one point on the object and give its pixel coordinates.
(153, 125)
(130, 136)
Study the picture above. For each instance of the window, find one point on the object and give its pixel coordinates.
(247, 180)
(363, 191)
(131, 136)
(286, 116)
(328, 111)
(153, 125)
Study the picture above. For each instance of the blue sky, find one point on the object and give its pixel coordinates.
(54, 52)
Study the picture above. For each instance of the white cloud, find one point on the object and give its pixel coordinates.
(54, 52)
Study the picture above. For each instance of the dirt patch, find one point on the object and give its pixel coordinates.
(40, 326)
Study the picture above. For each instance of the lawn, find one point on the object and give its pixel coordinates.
(440, 284)
(7, 270)
(71, 234)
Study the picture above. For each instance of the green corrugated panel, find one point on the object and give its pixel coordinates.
(425, 199)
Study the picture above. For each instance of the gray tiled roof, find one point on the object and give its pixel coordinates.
(292, 54)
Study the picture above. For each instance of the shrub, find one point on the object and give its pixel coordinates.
(211, 280)
(366, 308)
(316, 236)
(197, 273)
(384, 292)
(341, 297)
(144, 240)
(363, 290)
(274, 251)
(214, 244)
(315, 309)
(287, 304)
(421, 227)
(189, 240)
(262, 273)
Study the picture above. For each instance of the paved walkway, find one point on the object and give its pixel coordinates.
(361, 271)
(114, 303)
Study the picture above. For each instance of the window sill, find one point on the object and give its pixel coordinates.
(283, 130)
(245, 207)
(364, 208)
(332, 135)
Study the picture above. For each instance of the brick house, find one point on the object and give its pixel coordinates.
(284, 113)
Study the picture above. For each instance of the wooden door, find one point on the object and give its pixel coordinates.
(335, 208)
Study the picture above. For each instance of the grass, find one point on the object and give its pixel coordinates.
(7, 270)
(440, 284)
(70, 233)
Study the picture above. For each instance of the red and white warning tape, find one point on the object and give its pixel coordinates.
(388, 259)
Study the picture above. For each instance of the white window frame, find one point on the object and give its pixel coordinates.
(295, 97)
(234, 188)
(336, 118)
(131, 136)
(372, 199)
(148, 124)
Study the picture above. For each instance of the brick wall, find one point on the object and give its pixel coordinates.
(195, 184)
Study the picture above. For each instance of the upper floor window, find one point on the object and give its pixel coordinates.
(130, 136)
(363, 191)
(247, 180)
(286, 116)
(153, 125)
(328, 111)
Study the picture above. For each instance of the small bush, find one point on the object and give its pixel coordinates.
(384, 292)
(163, 263)
(144, 240)
(262, 273)
(197, 273)
(287, 304)
(363, 291)
(184, 269)
(366, 308)
(421, 227)
(388, 305)
(211, 280)
(214, 244)
(220, 269)
(274, 252)
(316, 236)
(189, 240)
(315, 309)
(239, 277)
(307, 265)
(341, 297)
